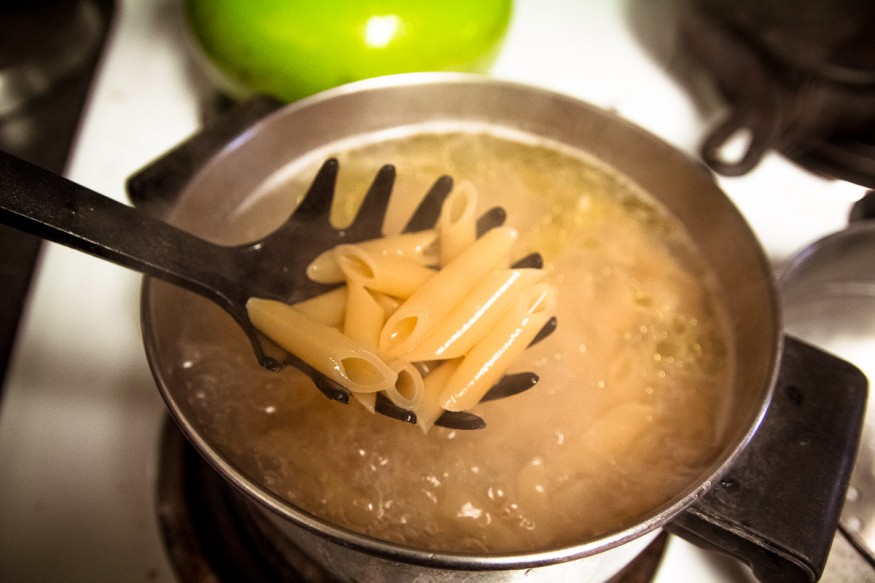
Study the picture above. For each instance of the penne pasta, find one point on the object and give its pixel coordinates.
(429, 305)
(324, 348)
(430, 409)
(325, 269)
(363, 320)
(419, 247)
(474, 316)
(364, 316)
(489, 359)
(367, 400)
(391, 275)
(408, 390)
(457, 224)
(329, 308)
(388, 303)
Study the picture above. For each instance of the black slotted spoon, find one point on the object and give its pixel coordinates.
(42, 203)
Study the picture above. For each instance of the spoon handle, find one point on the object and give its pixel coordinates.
(42, 203)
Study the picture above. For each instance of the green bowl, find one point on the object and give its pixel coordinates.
(294, 48)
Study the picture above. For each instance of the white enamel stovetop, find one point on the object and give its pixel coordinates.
(80, 417)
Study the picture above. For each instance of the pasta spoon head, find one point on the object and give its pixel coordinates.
(309, 232)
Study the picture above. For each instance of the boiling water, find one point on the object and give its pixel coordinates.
(627, 413)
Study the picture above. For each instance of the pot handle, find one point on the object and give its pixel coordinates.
(758, 120)
(155, 187)
(778, 507)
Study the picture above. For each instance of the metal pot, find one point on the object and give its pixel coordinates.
(792, 536)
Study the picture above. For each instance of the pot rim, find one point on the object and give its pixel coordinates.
(441, 559)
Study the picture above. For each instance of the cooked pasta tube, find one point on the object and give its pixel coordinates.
(457, 223)
(475, 315)
(419, 247)
(367, 400)
(388, 274)
(326, 349)
(429, 305)
(362, 322)
(485, 364)
(430, 409)
(408, 389)
(329, 308)
(388, 303)
(364, 316)
(325, 269)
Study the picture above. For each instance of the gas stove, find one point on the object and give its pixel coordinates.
(81, 423)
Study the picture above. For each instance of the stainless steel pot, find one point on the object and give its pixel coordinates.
(401, 104)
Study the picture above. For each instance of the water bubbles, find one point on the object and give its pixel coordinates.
(444, 490)
(468, 510)
(432, 480)
(495, 493)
